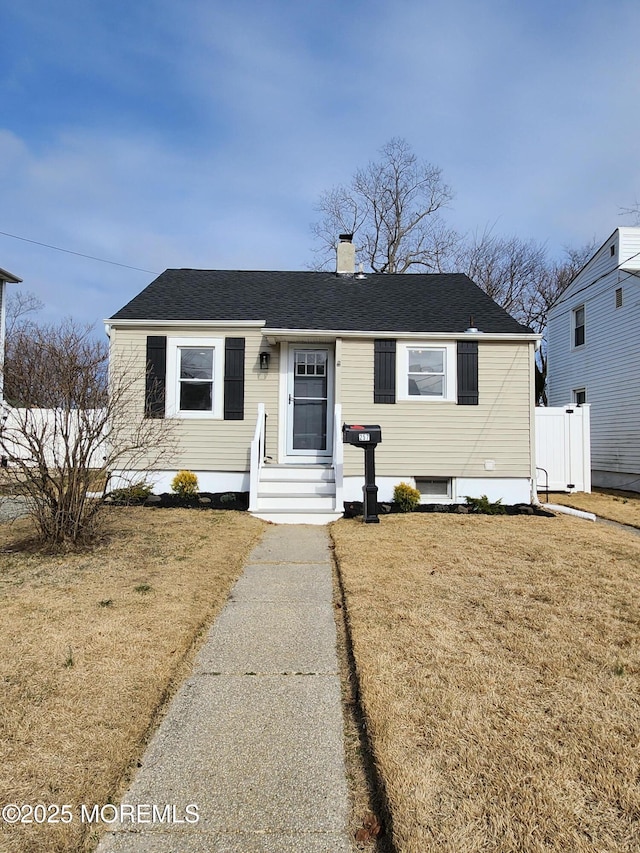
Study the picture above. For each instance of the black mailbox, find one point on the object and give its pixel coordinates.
(361, 435)
(366, 436)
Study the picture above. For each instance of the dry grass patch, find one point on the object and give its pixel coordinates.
(91, 645)
(614, 505)
(500, 676)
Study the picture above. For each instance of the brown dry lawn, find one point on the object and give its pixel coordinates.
(91, 646)
(614, 505)
(499, 669)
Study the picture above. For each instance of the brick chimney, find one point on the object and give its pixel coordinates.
(346, 255)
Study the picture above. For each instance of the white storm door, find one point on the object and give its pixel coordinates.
(310, 402)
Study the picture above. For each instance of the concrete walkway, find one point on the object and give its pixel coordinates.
(254, 737)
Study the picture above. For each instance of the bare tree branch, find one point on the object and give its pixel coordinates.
(392, 209)
(20, 304)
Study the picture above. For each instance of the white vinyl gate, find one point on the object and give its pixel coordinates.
(563, 448)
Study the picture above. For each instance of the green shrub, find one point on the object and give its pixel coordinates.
(406, 497)
(185, 484)
(228, 497)
(485, 506)
(135, 493)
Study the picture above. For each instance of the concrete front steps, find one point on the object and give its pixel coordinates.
(297, 494)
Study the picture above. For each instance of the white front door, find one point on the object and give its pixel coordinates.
(310, 403)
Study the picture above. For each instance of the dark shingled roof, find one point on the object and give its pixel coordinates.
(322, 300)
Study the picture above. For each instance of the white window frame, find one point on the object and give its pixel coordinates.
(576, 392)
(450, 371)
(174, 345)
(575, 326)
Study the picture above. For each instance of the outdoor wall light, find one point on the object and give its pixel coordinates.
(265, 358)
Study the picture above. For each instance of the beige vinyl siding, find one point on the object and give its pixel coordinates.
(443, 439)
(209, 444)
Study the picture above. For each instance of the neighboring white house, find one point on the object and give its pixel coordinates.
(593, 337)
(5, 278)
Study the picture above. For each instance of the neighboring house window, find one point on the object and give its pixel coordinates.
(426, 372)
(194, 377)
(578, 326)
(580, 396)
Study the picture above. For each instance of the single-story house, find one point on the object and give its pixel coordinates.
(260, 369)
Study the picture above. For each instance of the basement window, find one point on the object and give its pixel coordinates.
(434, 487)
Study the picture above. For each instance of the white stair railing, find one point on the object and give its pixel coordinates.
(257, 457)
(338, 456)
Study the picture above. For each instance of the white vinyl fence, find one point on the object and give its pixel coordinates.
(563, 448)
(52, 429)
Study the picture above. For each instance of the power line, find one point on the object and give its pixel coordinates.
(79, 254)
(606, 289)
(566, 295)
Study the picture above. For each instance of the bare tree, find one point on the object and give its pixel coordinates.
(559, 275)
(508, 269)
(634, 211)
(392, 207)
(20, 304)
(76, 421)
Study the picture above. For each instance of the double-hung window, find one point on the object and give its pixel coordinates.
(578, 326)
(194, 377)
(426, 371)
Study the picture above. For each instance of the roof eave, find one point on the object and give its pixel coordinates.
(276, 335)
(10, 278)
(116, 322)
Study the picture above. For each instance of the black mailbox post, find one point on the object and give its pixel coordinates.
(366, 436)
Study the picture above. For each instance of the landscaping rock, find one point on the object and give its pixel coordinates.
(524, 509)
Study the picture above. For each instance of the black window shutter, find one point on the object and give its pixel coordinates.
(467, 373)
(156, 376)
(384, 371)
(234, 379)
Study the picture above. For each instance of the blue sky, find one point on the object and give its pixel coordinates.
(200, 134)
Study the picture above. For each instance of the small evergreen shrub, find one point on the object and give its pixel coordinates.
(485, 506)
(133, 494)
(228, 498)
(185, 484)
(406, 497)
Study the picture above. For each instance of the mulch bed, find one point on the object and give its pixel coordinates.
(352, 509)
(203, 500)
